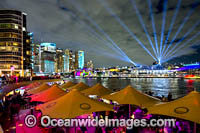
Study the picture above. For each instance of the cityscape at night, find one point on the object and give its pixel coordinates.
(99, 66)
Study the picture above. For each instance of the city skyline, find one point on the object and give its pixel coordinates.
(62, 26)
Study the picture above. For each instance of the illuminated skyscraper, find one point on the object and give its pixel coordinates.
(68, 61)
(48, 53)
(59, 61)
(14, 49)
(90, 65)
(81, 59)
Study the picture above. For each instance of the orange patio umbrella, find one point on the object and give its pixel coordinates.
(130, 95)
(67, 85)
(80, 86)
(97, 89)
(39, 89)
(71, 105)
(187, 107)
(49, 94)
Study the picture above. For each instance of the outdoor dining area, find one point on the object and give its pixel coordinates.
(78, 100)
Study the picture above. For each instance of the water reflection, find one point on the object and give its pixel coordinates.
(159, 86)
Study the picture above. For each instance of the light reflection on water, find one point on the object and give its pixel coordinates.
(159, 86)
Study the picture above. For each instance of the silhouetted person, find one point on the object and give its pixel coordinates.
(169, 97)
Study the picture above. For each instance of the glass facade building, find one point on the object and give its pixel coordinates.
(81, 59)
(48, 55)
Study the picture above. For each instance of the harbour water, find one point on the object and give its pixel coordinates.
(159, 86)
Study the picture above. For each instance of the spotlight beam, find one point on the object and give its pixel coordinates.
(143, 26)
(125, 27)
(84, 13)
(91, 31)
(163, 23)
(171, 24)
(184, 44)
(153, 24)
(179, 29)
(176, 55)
(183, 38)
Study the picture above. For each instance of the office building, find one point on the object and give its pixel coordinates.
(59, 61)
(68, 61)
(81, 59)
(48, 54)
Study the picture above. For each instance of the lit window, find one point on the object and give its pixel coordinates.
(27, 41)
(24, 29)
(8, 48)
(28, 52)
(16, 26)
(2, 48)
(15, 44)
(15, 49)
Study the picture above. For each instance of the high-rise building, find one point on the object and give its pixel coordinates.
(68, 61)
(90, 65)
(36, 58)
(81, 59)
(27, 54)
(48, 53)
(13, 36)
(59, 61)
(76, 60)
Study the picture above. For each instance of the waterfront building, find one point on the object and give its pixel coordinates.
(90, 65)
(59, 61)
(36, 58)
(68, 61)
(14, 43)
(81, 60)
(27, 54)
(48, 53)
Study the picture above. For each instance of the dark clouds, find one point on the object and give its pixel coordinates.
(63, 24)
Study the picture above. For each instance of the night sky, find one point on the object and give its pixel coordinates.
(63, 22)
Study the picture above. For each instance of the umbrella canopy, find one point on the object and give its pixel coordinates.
(187, 107)
(32, 85)
(49, 94)
(71, 105)
(67, 85)
(130, 95)
(97, 89)
(39, 89)
(80, 86)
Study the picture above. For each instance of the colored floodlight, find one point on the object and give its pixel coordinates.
(153, 24)
(163, 23)
(183, 38)
(171, 24)
(125, 27)
(113, 44)
(143, 26)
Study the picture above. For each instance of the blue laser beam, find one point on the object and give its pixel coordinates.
(125, 27)
(184, 44)
(171, 24)
(179, 29)
(163, 23)
(183, 38)
(176, 55)
(92, 31)
(85, 14)
(153, 24)
(143, 26)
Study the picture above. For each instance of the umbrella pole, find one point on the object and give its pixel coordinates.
(129, 110)
(195, 127)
